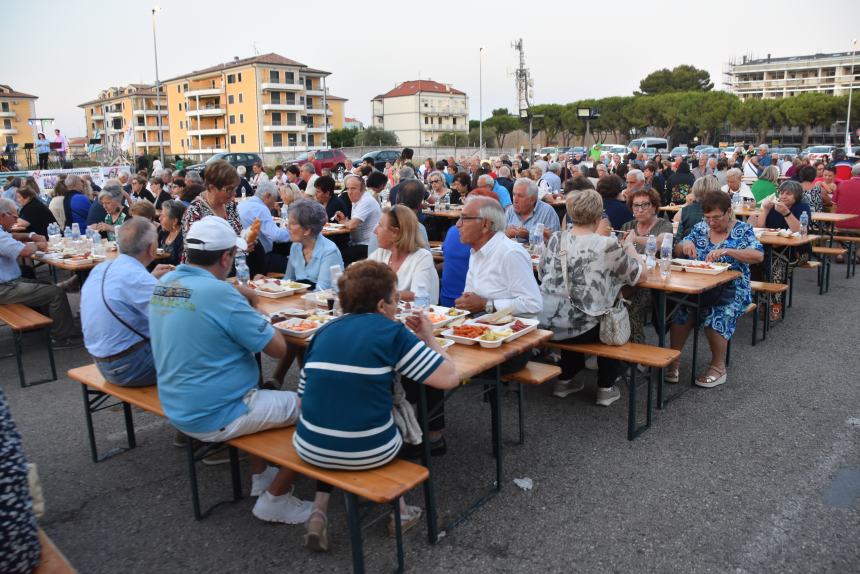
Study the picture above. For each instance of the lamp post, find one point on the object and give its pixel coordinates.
(481, 101)
(850, 89)
(155, 10)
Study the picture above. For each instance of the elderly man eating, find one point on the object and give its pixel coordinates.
(260, 207)
(205, 333)
(526, 212)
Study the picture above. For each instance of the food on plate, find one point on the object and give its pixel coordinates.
(496, 335)
(453, 312)
(294, 284)
(518, 326)
(442, 342)
(469, 331)
(319, 318)
(435, 317)
(305, 325)
(254, 232)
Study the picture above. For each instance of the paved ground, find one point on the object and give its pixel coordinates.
(759, 475)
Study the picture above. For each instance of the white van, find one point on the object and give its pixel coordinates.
(661, 144)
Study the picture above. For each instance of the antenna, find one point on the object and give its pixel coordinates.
(256, 51)
(523, 80)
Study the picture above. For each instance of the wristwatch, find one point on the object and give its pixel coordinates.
(31, 234)
(489, 307)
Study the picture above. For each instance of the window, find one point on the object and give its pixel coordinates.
(310, 140)
(230, 99)
(231, 78)
(455, 121)
(310, 102)
(277, 140)
(212, 83)
(94, 126)
(141, 121)
(426, 120)
(240, 93)
(241, 118)
(291, 98)
(309, 84)
(289, 78)
(232, 120)
(274, 76)
(276, 97)
(242, 138)
(178, 88)
(232, 139)
(276, 118)
(180, 124)
(240, 79)
(9, 139)
(291, 119)
(292, 140)
(185, 87)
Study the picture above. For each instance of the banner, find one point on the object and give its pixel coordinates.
(47, 178)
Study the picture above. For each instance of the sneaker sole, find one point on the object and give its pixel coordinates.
(563, 394)
(607, 402)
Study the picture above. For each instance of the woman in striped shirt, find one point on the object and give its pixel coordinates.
(345, 387)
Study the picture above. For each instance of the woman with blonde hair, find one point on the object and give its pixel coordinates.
(691, 213)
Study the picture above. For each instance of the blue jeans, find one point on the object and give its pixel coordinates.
(134, 370)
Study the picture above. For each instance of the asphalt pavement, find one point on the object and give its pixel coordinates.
(761, 474)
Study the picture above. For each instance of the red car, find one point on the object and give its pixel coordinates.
(332, 159)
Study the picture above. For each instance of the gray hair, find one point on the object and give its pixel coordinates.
(174, 209)
(8, 206)
(490, 210)
(291, 191)
(555, 167)
(770, 173)
(855, 171)
(529, 184)
(487, 179)
(241, 171)
(122, 176)
(735, 172)
(504, 171)
(308, 215)
(111, 192)
(193, 176)
(73, 181)
(763, 146)
(267, 188)
(705, 184)
(638, 174)
(406, 172)
(135, 236)
(309, 167)
(358, 177)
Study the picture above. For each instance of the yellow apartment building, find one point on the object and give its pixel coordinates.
(135, 108)
(16, 109)
(263, 104)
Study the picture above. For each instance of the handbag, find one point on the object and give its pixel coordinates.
(615, 321)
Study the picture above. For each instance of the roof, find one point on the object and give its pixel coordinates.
(352, 120)
(270, 58)
(413, 87)
(140, 90)
(7, 92)
(795, 58)
(338, 98)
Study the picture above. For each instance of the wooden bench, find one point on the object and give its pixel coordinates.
(533, 373)
(52, 560)
(851, 242)
(751, 308)
(383, 485)
(22, 319)
(825, 255)
(656, 358)
(811, 264)
(764, 291)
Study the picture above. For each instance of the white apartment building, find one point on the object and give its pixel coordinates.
(784, 77)
(418, 111)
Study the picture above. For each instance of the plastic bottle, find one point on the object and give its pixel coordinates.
(650, 252)
(335, 271)
(422, 298)
(666, 256)
(243, 274)
(804, 224)
(736, 201)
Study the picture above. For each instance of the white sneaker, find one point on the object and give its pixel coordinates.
(260, 482)
(591, 363)
(285, 508)
(606, 397)
(563, 387)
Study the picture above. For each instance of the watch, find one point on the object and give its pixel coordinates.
(488, 307)
(31, 234)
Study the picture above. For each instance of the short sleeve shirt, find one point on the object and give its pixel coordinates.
(10, 248)
(368, 211)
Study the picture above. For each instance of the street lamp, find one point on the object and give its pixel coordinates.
(155, 10)
(481, 101)
(850, 89)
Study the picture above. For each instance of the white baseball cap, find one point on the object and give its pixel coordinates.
(213, 233)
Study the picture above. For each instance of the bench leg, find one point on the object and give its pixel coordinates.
(520, 412)
(192, 478)
(354, 521)
(728, 352)
(94, 402)
(193, 457)
(19, 358)
(398, 531)
(51, 354)
(631, 404)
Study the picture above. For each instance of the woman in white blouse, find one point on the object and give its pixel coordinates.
(400, 248)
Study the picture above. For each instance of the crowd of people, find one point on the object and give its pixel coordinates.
(177, 323)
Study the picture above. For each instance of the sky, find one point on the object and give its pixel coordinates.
(70, 50)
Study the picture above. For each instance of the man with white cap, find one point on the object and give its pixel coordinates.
(205, 333)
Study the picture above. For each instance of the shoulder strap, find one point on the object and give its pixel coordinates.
(112, 312)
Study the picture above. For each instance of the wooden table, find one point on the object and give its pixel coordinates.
(469, 362)
(684, 290)
(338, 231)
(448, 214)
(829, 221)
(670, 210)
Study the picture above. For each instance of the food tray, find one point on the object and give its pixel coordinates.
(692, 266)
(531, 326)
(444, 343)
(319, 297)
(289, 327)
(277, 288)
(432, 311)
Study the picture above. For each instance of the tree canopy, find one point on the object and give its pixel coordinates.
(683, 78)
(375, 136)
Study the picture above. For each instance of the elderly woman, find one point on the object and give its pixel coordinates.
(170, 234)
(735, 185)
(616, 210)
(324, 193)
(438, 187)
(766, 184)
(216, 199)
(718, 238)
(145, 210)
(346, 422)
(401, 248)
(582, 273)
(691, 214)
(361, 222)
(111, 197)
(33, 215)
(243, 188)
(783, 213)
(157, 191)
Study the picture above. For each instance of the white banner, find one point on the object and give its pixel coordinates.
(47, 179)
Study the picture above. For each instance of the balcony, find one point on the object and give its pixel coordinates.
(288, 127)
(208, 132)
(444, 128)
(207, 150)
(9, 114)
(319, 111)
(316, 129)
(8, 131)
(283, 107)
(279, 86)
(98, 117)
(113, 113)
(206, 112)
(283, 149)
(149, 112)
(204, 93)
(149, 128)
(315, 92)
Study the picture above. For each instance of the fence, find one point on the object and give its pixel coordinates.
(435, 153)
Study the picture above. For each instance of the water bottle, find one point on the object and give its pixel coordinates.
(446, 201)
(736, 201)
(666, 256)
(383, 198)
(243, 274)
(335, 271)
(804, 224)
(422, 298)
(67, 237)
(650, 252)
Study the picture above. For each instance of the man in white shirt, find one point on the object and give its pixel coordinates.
(259, 176)
(308, 176)
(365, 217)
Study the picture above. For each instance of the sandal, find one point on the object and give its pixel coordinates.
(673, 374)
(712, 378)
(316, 538)
(407, 521)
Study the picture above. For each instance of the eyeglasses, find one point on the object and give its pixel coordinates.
(435, 181)
(468, 217)
(641, 206)
(708, 219)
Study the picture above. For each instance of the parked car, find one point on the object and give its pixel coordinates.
(817, 152)
(333, 159)
(235, 159)
(380, 157)
(659, 143)
(552, 151)
(679, 151)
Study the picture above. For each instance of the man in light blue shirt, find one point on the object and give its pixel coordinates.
(260, 206)
(115, 307)
(205, 333)
(487, 180)
(552, 179)
(527, 211)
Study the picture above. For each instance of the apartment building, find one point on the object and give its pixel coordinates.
(133, 113)
(790, 76)
(419, 110)
(16, 108)
(265, 103)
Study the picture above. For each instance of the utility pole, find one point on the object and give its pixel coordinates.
(159, 130)
(850, 90)
(524, 91)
